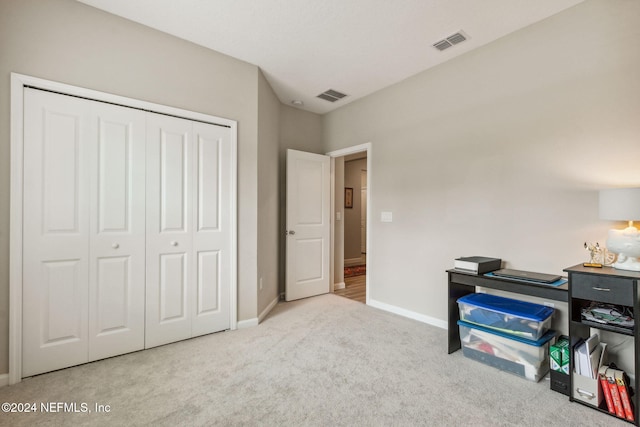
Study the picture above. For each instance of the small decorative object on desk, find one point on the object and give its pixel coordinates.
(608, 258)
(595, 253)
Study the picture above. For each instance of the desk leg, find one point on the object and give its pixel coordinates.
(456, 290)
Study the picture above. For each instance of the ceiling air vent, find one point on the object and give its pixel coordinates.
(453, 39)
(331, 95)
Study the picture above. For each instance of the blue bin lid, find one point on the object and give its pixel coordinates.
(514, 307)
(536, 343)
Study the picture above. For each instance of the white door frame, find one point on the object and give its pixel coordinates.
(18, 82)
(341, 153)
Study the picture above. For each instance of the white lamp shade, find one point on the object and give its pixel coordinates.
(620, 204)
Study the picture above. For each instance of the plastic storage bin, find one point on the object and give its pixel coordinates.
(526, 358)
(514, 317)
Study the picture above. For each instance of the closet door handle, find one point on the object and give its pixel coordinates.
(115, 246)
(174, 243)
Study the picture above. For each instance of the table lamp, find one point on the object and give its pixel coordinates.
(622, 204)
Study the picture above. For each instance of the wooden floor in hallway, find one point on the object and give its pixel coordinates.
(355, 288)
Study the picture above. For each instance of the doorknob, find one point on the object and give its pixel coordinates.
(291, 232)
(115, 246)
(174, 243)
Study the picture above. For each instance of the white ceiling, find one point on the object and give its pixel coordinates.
(357, 47)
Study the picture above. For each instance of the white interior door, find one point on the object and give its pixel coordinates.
(189, 229)
(56, 232)
(169, 229)
(212, 231)
(83, 287)
(117, 232)
(308, 226)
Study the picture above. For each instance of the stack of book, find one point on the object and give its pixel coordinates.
(617, 393)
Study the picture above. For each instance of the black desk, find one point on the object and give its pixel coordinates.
(461, 284)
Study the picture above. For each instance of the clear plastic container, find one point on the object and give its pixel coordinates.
(513, 317)
(526, 358)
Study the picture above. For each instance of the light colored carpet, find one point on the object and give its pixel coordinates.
(323, 361)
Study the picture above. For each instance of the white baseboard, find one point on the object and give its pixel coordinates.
(268, 309)
(408, 313)
(353, 261)
(4, 380)
(249, 323)
(337, 286)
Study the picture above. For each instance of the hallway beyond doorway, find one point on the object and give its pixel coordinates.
(355, 288)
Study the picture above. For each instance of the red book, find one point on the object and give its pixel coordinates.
(602, 374)
(624, 394)
(615, 394)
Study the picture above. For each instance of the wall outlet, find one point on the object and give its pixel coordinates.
(261, 283)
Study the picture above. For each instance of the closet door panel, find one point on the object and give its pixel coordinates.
(174, 170)
(212, 236)
(208, 298)
(117, 270)
(170, 264)
(173, 287)
(55, 232)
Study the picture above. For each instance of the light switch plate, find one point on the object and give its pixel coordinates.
(386, 216)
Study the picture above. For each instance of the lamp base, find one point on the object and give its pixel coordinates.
(626, 243)
(629, 263)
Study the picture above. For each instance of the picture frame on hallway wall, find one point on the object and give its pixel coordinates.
(348, 197)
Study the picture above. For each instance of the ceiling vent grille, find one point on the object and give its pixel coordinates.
(453, 39)
(331, 95)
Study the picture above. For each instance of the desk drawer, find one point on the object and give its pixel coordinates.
(610, 290)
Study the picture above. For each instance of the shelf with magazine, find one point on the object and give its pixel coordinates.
(602, 306)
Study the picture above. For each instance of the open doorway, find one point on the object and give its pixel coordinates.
(353, 187)
(355, 227)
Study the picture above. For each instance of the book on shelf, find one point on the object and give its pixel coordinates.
(602, 373)
(622, 382)
(477, 264)
(615, 393)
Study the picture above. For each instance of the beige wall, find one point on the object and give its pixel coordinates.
(268, 205)
(499, 152)
(66, 41)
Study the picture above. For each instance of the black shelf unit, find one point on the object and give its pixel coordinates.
(605, 285)
(462, 283)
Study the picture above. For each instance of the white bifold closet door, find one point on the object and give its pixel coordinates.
(188, 229)
(127, 230)
(84, 241)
